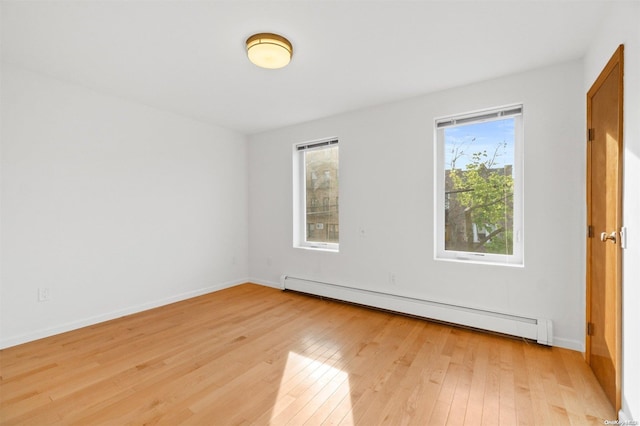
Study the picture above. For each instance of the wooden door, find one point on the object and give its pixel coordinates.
(604, 215)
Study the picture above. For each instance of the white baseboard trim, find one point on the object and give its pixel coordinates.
(573, 345)
(74, 325)
(623, 418)
(266, 283)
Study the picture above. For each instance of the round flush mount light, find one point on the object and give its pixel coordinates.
(268, 50)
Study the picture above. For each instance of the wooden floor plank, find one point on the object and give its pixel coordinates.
(524, 406)
(479, 366)
(257, 355)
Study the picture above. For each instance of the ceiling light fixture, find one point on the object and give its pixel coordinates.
(268, 50)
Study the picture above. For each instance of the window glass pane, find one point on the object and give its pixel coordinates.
(479, 185)
(321, 183)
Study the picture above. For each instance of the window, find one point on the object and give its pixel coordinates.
(316, 183)
(479, 187)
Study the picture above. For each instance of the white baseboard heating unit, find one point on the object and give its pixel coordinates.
(538, 329)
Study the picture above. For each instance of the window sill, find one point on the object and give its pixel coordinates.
(487, 262)
(319, 248)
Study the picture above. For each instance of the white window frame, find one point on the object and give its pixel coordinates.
(515, 259)
(300, 194)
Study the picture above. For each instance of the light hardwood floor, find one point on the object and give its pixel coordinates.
(256, 355)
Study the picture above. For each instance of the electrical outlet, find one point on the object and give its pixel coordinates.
(44, 295)
(392, 278)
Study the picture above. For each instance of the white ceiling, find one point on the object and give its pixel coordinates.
(188, 56)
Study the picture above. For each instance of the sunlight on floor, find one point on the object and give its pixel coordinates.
(312, 390)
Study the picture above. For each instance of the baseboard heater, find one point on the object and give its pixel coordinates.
(537, 329)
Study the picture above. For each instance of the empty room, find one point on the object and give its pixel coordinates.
(319, 212)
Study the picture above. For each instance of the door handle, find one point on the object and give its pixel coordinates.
(604, 237)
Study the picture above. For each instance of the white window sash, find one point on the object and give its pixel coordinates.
(515, 259)
(300, 224)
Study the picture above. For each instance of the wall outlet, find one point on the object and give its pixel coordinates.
(392, 278)
(44, 295)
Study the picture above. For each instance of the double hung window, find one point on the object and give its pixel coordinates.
(316, 195)
(478, 202)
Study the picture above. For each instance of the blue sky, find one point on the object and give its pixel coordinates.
(475, 137)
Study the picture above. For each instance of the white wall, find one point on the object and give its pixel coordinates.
(386, 189)
(622, 27)
(115, 207)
